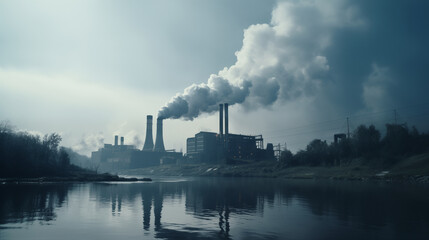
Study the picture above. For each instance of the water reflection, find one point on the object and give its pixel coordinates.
(211, 208)
(403, 209)
(31, 202)
(152, 195)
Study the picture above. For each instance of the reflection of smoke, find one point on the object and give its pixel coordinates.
(281, 60)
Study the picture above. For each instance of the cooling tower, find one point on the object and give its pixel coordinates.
(148, 142)
(122, 141)
(116, 140)
(159, 142)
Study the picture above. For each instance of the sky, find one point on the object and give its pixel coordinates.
(291, 70)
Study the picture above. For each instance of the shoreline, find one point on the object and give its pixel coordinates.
(355, 171)
(74, 179)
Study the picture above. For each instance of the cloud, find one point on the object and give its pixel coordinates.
(313, 61)
(376, 89)
(72, 106)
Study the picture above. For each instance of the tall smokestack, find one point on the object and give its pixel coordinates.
(116, 140)
(221, 119)
(226, 120)
(122, 141)
(159, 142)
(148, 142)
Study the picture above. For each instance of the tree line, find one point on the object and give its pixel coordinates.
(365, 143)
(25, 155)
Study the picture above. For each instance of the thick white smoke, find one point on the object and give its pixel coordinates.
(283, 60)
(205, 97)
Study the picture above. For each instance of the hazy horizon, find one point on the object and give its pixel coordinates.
(291, 70)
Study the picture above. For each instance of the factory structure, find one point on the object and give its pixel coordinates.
(204, 147)
(117, 157)
(224, 147)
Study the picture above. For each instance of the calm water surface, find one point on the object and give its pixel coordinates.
(215, 208)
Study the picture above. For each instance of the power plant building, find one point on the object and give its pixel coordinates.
(209, 147)
(224, 147)
(204, 146)
(116, 157)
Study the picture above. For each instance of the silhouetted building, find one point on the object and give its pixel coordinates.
(114, 156)
(218, 147)
(203, 146)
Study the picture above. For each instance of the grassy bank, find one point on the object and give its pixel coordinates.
(415, 168)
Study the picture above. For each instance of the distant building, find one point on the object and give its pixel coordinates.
(220, 147)
(116, 157)
(208, 147)
(204, 147)
(211, 147)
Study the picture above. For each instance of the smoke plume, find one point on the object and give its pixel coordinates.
(205, 97)
(342, 55)
(280, 60)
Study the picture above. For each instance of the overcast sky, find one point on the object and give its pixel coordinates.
(292, 70)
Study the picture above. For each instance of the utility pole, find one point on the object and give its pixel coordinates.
(348, 128)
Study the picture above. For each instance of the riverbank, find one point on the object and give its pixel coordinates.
(80, 177)
(412, 169)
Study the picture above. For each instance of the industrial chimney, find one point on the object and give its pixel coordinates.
(226, 120)
(122, 141)
(159, 142)
(221, 120)
(116, 140)
(148, 142)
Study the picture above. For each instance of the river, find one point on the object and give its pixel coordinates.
(215, 208)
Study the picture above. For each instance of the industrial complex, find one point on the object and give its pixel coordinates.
(204, 147)
(117, 157)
